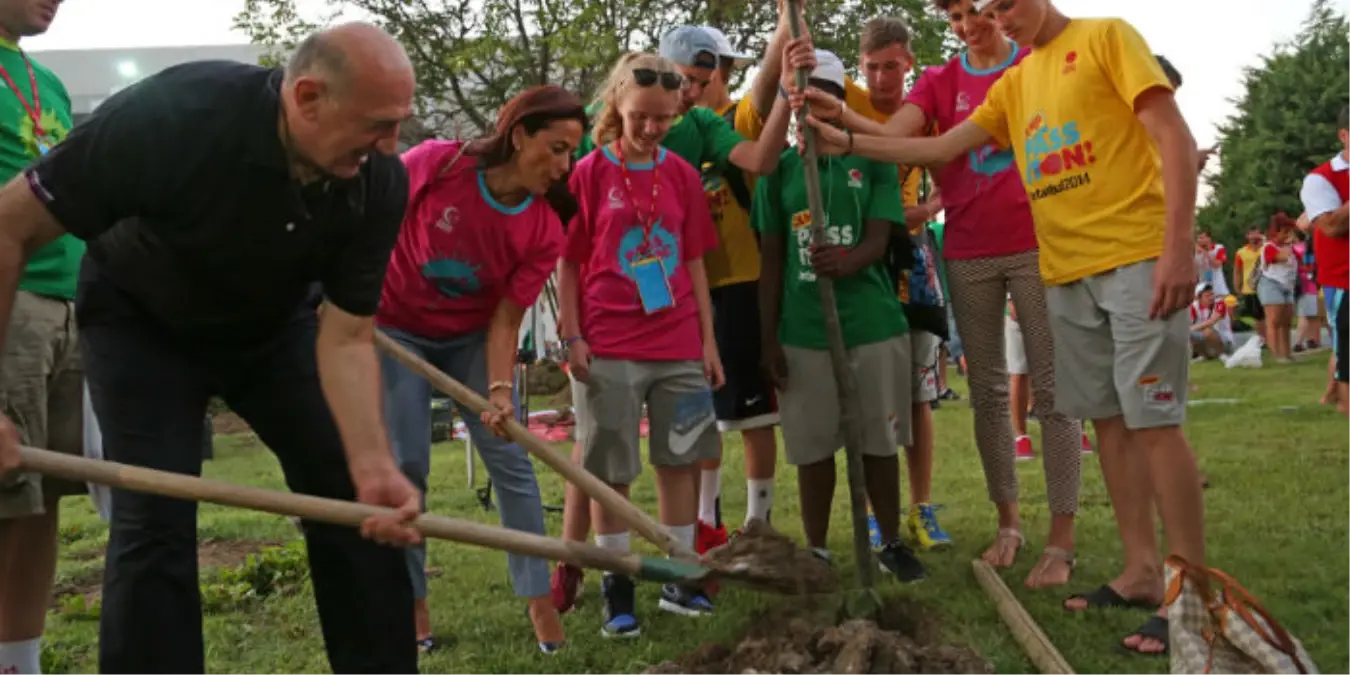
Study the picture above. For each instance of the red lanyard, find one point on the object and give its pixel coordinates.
(650, 220)
(34, 110)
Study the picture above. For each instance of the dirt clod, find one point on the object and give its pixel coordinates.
(770, 560)
(799, 638)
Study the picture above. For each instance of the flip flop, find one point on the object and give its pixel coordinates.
(1156, 628)
(1050, 555)
(1105, 596)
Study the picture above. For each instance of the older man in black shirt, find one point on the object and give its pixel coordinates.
(213, 196)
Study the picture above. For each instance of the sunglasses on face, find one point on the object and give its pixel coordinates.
(646, 77)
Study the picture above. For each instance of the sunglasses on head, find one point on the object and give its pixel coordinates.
(646, 77)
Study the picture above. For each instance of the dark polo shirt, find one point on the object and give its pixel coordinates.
(181, 186)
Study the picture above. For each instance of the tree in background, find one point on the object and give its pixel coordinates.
(471, 56)
(1284, 126)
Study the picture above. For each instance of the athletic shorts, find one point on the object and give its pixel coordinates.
(1337, 308)
(812, 429)
(1111, 358)
(681, 423)
(925, 350)
(1014, 348)
(747, 399)
(1250, 305)
(1307, 305)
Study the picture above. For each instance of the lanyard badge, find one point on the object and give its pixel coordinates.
(34, 110)
(649, 270)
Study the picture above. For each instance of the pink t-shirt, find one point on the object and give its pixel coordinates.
(986, 207)
(460, 252)
(604, 239)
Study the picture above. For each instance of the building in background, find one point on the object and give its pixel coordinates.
(92, 75)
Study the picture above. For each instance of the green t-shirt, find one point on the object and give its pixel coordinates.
(699, 137)
(939, 230)
(854, 190)
(53, 268)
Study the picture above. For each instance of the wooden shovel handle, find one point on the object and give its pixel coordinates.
(320, 509)
(593, 487)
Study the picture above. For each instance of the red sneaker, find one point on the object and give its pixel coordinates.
(707, 537)
(1087, 444)
(564, 586)
(1024, 449)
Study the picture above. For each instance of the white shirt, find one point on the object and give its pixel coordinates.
(1211, 275)
(1319, 195)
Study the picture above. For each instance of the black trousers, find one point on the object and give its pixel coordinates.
(150, 389)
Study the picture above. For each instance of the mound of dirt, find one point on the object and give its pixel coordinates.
(770, 560)
(546, 378)
(792, 640)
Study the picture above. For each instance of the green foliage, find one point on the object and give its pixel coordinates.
(274, 570)
(471, 57)
(1285, 125)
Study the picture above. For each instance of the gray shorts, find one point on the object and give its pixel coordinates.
(809, 407)
(1110, 358)
(682, 422)
(925, 350)
(1271, 292)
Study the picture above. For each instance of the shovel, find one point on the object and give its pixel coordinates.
(593, 487)
(867, 602)
(339, 512)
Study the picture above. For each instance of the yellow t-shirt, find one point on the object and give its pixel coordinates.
(736, 258)
(858, 100)
(1092, 173)
(1250, 259)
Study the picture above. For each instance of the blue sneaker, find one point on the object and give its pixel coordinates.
(873, 532)
(684, 600)
(620, 616)
(924, 528)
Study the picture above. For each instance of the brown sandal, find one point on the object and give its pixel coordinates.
(1000, 539)
(1050, 555)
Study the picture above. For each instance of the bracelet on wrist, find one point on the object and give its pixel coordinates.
(567, 342)
(501, 384)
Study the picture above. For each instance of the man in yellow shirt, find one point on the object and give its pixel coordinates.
(886, 59)
(1248, 259)
(746, 403)
(1099, 140)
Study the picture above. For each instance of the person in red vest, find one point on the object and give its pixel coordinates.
(1325, 193)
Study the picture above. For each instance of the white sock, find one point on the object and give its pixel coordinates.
(685, 533)
(613, 542)
(710, 489)
(21, 657)
(760, 498)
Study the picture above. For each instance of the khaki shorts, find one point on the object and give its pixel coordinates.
(925, 350)
(812, 429)
(1014, 347)
(1110, 358)
(42, 392)
(681, 420)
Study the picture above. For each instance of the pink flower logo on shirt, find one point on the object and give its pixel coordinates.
(662, 245)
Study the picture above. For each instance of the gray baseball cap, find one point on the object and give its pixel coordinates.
(689, 46)
(724, 49)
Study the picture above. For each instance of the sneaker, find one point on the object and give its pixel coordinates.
(949, 394)
(1087, 444)
(1024, 449)
(685, 600)
(564, 586)
(620, 617)
(707, 537)
(873, 532)
(551, 647)
(899, 559)
(823, 554)
(924, 528)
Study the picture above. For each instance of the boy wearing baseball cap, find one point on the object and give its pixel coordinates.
(862, 206)
(1109, 168)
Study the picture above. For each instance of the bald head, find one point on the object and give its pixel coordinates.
(346, 91)
(348, 53)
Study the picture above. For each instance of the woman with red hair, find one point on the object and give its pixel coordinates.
(1278, 269)
(481, 235)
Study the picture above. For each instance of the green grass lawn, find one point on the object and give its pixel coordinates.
(1276, 520)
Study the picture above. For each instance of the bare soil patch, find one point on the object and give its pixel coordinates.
(229, 423)
(211, 554)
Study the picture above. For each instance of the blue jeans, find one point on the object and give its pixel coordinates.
(407, 410)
